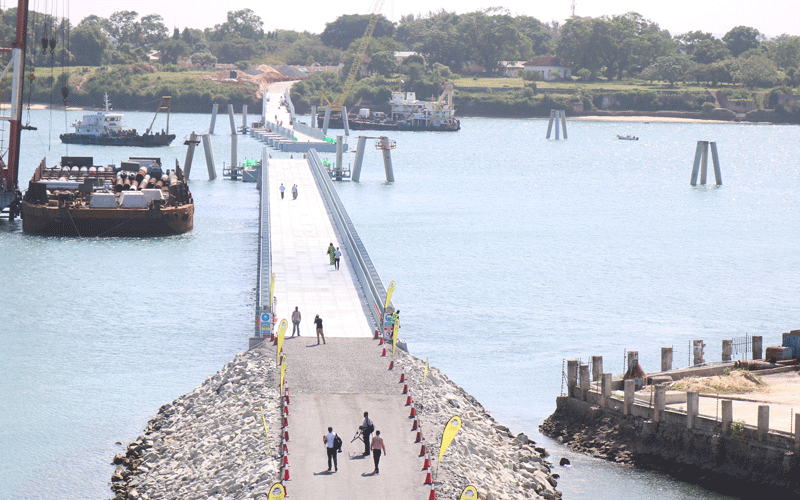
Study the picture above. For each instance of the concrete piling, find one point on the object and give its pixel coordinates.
(339, 149)
(585, 382)
(697, 352)
(264, 108)
(701, 163)
(327, 120)
(234, 151)
(659, 402)
(666, 359)
(231, 117)
(356, 174)
(726, 409)
(313, 116)
(572, 377)
(556, 116)
(345, 123)
(630, 391)
(763, 422)
(757, 350)
(244, 118)
(212, 170)
(727, 350)
(214, 110)
(386, 149)
(597, 368)
(605, 389)
(633, 359)
(692, 408)
(190, 145)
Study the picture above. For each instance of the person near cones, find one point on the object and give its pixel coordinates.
(318, 322)
(377, 447)
(330, 447)
(331, 251)
(366, 431)
(296, 321)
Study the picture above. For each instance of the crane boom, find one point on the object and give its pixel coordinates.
(362, 49)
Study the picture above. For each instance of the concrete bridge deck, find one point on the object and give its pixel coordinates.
(333, 384)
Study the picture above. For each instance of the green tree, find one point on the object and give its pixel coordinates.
(689, 41)
(577, 45)
(538, 33)
(172, 50)
(242, 23)
(710, 51)
(123, 28)
(490, 37)
(346, 29)
(785, 51)
(152, 30)
(88, 45)
(436, 37)
(755, 71)
(741, 39)
(383, 63)
(203, 59)
(670, 68)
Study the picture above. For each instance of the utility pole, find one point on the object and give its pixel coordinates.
(573, 8)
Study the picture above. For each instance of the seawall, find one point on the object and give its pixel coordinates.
(739, 466)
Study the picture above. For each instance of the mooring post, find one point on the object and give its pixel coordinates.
(550, 123)
(244, 118)
(314, 116)
(557, 116)
(386, 149)
(585, 382)
(597, 368)
(214, 110)
(564, 123)
(212, 170)
(630, 392)
(757, 347)
(605, 389)
(345, 123)
(698, 152)
(231, 116)
(234, 153)
(659, 402)
(692, 408)
(666, 359)
(572, 377)
(362, 144)
(633, 359)
(327, 119)
(704, 164)
(715, 159)
(339, 150)
(727, 350)
(726, 409)
(697, 352)
(264, 108)
(763, 422)
(190, 145)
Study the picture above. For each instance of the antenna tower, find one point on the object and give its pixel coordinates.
(573, 7)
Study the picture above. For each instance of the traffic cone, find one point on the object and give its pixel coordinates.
(384, 352)
(285, 422)
(285, 461)
(428, 479)
(286, 474)
(274, 340)
(403, 377)
(286, 397)
(286, 492)
(285, 435)
(381, 341)
(285, 409)
(422, 451)
(391, 365)
(415, 426)
(408, 400)
(427, 464)
(286, 449)
(375, 335)
(431, 497)
(413, 413)
(419, 437)
(405, 388)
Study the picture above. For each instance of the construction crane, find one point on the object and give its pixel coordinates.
(374, 11)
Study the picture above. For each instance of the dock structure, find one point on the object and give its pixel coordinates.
(333, 383)
(283, 131)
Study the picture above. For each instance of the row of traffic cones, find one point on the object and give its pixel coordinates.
(285, 461)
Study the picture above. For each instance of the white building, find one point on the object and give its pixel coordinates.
(549, 67)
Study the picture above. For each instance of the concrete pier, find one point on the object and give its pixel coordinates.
(212, 170)
(214, 110)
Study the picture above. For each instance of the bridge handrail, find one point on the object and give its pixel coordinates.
(371, 283)
(264, 250)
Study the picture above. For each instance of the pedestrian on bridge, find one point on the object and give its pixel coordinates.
(366, 430)
(282, 188)
(296, 321)
(331, 251)
(330, 447)
(318, 322)
(294, 192)
(377, 446)
(337, 254)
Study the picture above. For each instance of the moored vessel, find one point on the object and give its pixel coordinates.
(78, 198)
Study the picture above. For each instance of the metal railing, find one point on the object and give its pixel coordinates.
(264, 250)
(371, 284)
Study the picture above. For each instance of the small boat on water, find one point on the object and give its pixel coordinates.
(106, 128)
(627, 137)
(78, 198)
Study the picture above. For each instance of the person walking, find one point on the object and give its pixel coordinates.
(366, 430)
(282, 188)
(330, 448)
(336, 256)
(331, 251)
(294, 192)
(296, 321)
(377, 446)
(318, 322)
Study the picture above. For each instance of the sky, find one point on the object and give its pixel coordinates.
(770, 17)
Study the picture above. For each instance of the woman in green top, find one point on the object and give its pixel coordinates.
(331, 252)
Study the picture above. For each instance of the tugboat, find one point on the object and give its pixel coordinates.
(407, 113)
(77, 198)
(106, 128)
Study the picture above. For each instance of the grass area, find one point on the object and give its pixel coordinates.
(600, 85)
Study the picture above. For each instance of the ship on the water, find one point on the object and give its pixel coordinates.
(78, 198)
(406, 113)
(106, 128)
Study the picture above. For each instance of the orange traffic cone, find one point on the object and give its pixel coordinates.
(375, 335)
(415, 426)
(408, 400)
(285, 409)
(285, 435)
(286, 492)
(380, 342)
(285, 422)
(431, 497)
(428, 479)
(419, 437)
(403, 377)
(427, 464)
(384, 352)
(422, 451)
(405, 388)
(286, 474)
(286, 449)
(286, 397)
(285, 461)
(413, 413)
(391, 365)
(274, 340)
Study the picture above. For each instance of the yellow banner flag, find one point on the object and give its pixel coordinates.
(277, 492)
(266, 433)
(389, 292)
(394, 337)
(469, 493)
(283, 372)
(450, 430)
(271, 290)
(281, 333)
(425, 375)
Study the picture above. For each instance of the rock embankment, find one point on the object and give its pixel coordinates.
(210, 443)
(500, 464)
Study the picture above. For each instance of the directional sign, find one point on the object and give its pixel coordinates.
(266, 322)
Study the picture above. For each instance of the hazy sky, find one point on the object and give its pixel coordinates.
(770, 17)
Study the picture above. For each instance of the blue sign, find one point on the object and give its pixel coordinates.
(266, 322)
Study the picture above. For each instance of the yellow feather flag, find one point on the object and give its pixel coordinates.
(425, 375)
(283, 372)
(266, 433)
(281, 333)
(277, 492)
(453, 425)
(389, 292)
(469, 493)
(271, 290)
(394, 337)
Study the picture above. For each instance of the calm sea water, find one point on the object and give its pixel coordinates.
(511, 253)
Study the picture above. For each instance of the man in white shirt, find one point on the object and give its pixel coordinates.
(331, 449)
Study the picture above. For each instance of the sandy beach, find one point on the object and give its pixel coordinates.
(644, 119)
